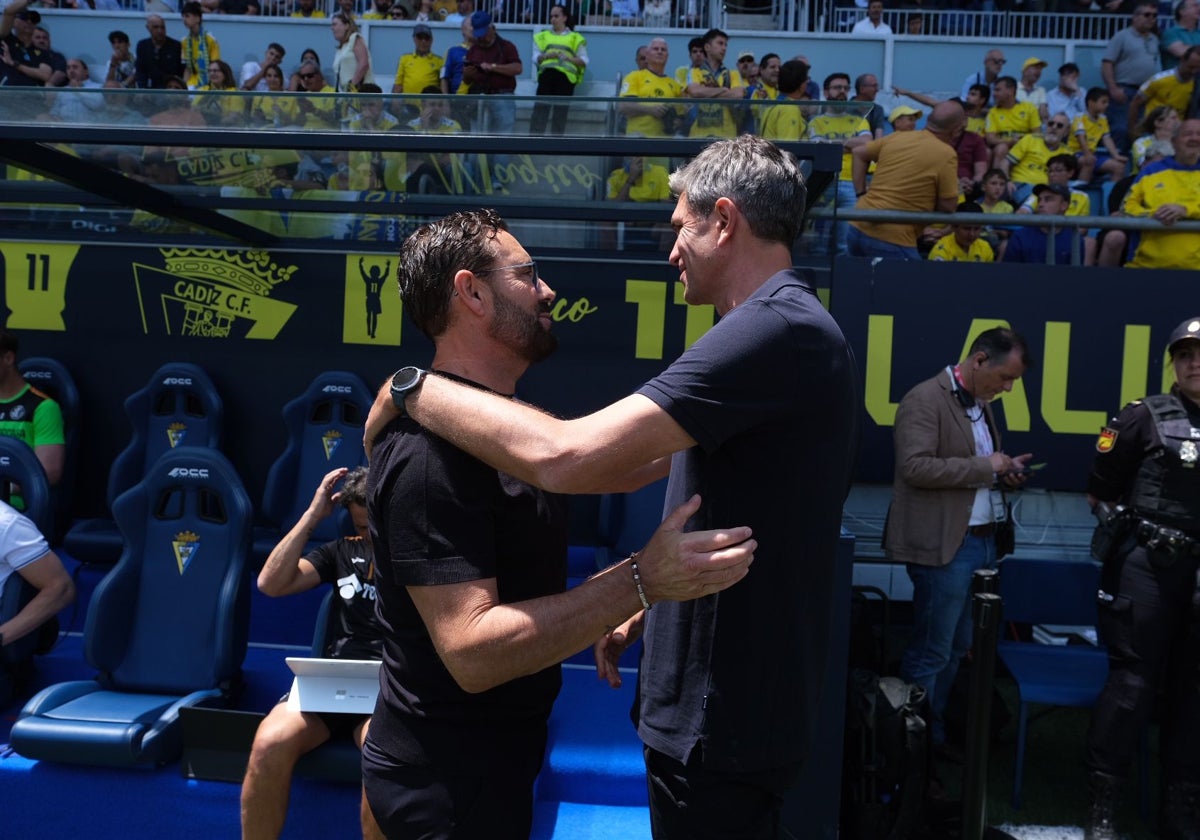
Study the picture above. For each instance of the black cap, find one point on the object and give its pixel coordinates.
(30, 15)
(1189, 330)
(1058, 189)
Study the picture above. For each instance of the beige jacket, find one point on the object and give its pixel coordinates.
(937, 474)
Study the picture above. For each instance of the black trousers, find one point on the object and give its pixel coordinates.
(551, 83)
(1153, 637)
(688, 802)
(465, 803)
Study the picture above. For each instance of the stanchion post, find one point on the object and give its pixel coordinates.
(986, 609)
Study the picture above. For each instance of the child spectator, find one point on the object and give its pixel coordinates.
(1089, 133)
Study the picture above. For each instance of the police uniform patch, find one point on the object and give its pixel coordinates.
(1107, 439)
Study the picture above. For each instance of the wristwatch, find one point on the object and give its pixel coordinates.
(404, 382)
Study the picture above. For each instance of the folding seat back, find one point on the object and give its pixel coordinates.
(23, 483)
(179, 406)
(166, 628)
(324, 428)
(53, 379)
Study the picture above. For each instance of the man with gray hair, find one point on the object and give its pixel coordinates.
(472, 560)
(758, 416)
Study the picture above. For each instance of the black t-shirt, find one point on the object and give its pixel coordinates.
(770, 394)
(1124, 443)
(29, 56)
(348, 566)
(440, 516)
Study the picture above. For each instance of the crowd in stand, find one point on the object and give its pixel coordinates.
(1017, 135)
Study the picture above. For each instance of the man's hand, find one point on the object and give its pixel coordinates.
(1169, 214)
(325, 498)
(679, 566)
(609, 649)
(1015, 476)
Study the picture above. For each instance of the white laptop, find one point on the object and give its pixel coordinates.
(348, 686)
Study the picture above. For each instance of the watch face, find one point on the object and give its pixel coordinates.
(405, 378)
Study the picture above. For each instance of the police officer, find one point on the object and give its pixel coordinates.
(1145, 486)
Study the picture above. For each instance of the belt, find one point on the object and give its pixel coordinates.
(987, 530)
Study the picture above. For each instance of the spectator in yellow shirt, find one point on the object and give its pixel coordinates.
(1168, 191)
(964, 243)
(1008, 120)
(1089, 134)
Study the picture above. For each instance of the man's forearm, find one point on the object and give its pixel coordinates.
(508, 641)
(592, 454)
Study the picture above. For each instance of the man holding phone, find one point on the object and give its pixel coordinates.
(947, 505)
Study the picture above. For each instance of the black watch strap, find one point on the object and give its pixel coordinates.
(404, 382)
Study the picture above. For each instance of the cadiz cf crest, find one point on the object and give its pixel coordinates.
(332, 440)
(176, 432)
(211, 293)
(186, 544)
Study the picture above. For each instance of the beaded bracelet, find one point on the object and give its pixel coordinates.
(637, 581)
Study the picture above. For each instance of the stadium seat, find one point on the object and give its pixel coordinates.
(51, 378)
(1052, 592)
(324, 431)
(19, 467)
(21, 474)
(166, 627)
(179, 406)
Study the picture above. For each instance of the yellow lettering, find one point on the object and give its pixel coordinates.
(699, 318)
(878, 386)
(1133, 363)
(651, 299)
(1168, 377)
(575, 312)
(1054, 387)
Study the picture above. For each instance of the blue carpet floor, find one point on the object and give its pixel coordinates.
(592, 786)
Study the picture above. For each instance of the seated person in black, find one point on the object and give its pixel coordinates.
(286, 734)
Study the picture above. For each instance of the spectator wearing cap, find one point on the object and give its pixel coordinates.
(1030, 244)
(22, 63)
(993, 66)
(1182, 34)
(915, 171)
(159, 57)
(1062, 169)
(872, 25)
(904, 118)
(748, 69)
(1028, 89)
(420, 68)
(1066, 97)
(964, 243)
(491, 68)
